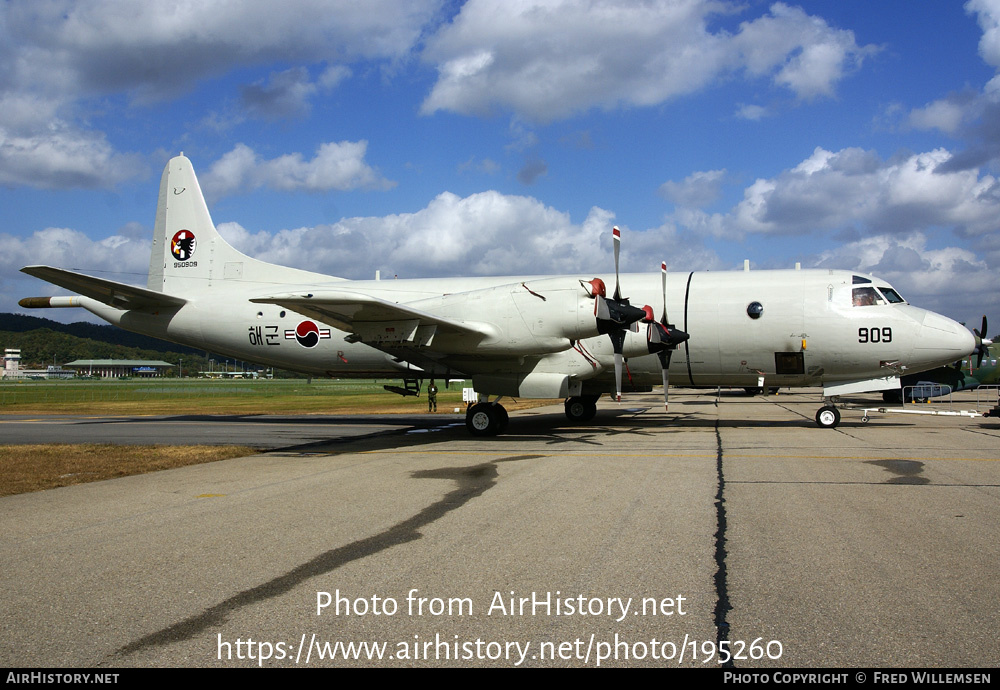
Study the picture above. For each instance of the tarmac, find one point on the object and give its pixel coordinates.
(731, 531)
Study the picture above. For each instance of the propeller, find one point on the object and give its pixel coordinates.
(663, 338)
(981, 343)
(615, 315)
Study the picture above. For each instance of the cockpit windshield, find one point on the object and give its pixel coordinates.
(867, 296)
(891, 295)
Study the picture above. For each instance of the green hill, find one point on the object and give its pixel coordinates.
(44, 342)
(20, 323)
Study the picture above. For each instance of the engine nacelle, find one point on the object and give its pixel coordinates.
(531, 317)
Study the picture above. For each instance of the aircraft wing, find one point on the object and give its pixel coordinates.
(114, 294)
(376, 321)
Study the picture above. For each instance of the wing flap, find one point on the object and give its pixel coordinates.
(110, 292)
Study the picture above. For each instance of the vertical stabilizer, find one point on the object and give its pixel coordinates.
(188, 252)
(189, 256)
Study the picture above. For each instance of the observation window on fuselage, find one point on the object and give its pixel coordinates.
(891, 295)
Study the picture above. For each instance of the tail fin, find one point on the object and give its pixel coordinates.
(189, 255)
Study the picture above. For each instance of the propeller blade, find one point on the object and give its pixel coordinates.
(981, 343)
(618, 376)
(663, 277)
(616, 316)
(666, 390)
(664, 338)
(616, 313)
(618, 344)
(664, 356)
(617, 235)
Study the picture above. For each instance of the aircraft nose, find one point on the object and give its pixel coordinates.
(942, 341)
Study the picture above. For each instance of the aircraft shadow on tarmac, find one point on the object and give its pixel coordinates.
(414, 430)
(259, 419)
(608, 427)
(469, 481)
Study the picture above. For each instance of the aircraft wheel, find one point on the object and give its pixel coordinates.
(483, 420)
(893, 396)
(503, 419)
(828, 416)
(579, 409)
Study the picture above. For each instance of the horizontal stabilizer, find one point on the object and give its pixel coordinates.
(356, 312)
(114, 294)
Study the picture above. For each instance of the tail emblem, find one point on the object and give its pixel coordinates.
(182, 245)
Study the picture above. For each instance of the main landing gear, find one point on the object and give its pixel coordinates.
(491, 418)
(828, 416)
(581, 408)
(486, 419)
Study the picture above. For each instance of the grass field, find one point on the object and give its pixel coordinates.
(203, 396)
(47, 466)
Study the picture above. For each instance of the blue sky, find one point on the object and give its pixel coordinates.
(424, 138)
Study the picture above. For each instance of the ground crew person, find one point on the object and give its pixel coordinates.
(432, 397)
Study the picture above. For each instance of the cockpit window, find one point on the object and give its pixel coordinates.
(868, 296)
(891, 295)
(860, 279)
(865, 297)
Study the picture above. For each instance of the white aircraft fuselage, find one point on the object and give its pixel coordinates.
(512, 336)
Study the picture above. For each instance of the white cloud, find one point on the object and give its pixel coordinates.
(123, 257)
(284, 95)
(483, 234)
(333, 75)
(751, 112)
(988, 14)
(547, 60)
(336, 166)
(697, 190)
(67, 248)
(287, 94)
(63, 156)
(811, 56)
(944, 114)
(532, 170)
(855, 189)
(973, 116)
(55, 55)
(157, 48)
